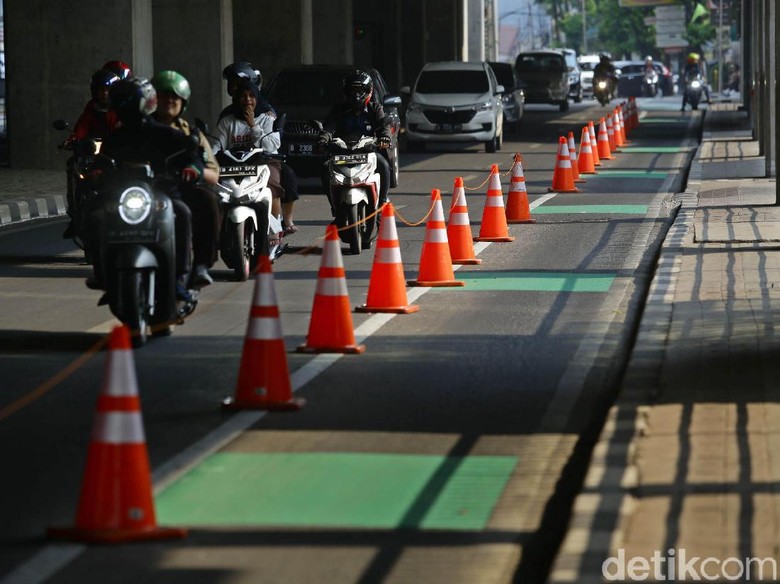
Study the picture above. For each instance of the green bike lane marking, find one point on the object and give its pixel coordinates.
(532, 282)
(355, 490)
(603, 209)
(654, 149)
(631, 174)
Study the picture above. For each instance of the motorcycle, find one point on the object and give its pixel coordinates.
(602, 90)
(354, 188)
(80, 191)
(650, 83)
(137, 249)
(693, 89)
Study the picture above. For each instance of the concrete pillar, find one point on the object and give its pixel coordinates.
(195, 38)
(476, 20)
(51, 51)
(333, 32)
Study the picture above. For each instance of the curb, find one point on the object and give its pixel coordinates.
(18, 210)
(606, 500)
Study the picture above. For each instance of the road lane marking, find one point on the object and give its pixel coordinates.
(593, 209)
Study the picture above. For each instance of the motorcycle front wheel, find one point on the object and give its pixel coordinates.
(135, 305)
(352, 230)
(244, 248)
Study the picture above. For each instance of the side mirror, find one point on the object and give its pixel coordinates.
(60, 125)
(280, 122)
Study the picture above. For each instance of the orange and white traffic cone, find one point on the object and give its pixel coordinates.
(616, 128)
(517, 208)
(594, 144)
(330, 327)
(575, 173)
(263, 375)
(435, 261)
(623, 130)
(603, 145)
(116, 503)
(585, 159)
(634, 112)
(387, 286)
(459, 236)
(611, 135)
(563, 181)
(494, 226)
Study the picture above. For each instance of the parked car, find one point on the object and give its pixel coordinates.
(575, 74)
(632, 74)
(453, 101)
(512, 97)
(587, 63)
(545, 77)
(308, 92)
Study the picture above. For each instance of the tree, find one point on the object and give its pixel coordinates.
(623, 31)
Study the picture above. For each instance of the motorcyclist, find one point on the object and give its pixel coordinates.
(142, 140)
(96, 121)
(173, 95)
(691, 71)
(605, 69)
(357, 115)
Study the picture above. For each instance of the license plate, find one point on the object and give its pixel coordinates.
(238, 170)
(350, 159)
(132, 235)
(301, 149)
(449, 127)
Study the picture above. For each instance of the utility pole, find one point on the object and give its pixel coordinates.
(585, 29)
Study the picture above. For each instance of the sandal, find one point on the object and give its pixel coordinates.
(290, 229)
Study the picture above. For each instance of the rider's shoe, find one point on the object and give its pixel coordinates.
(93, 283)
(201, 277)
(182, 292)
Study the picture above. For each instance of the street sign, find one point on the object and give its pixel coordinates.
(670, 40)
(669, 26)
(676, 12)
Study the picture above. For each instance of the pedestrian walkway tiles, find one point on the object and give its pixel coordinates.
(532, 282)
(631, 174)
(354, 490)
(654, 149)
(603, 209)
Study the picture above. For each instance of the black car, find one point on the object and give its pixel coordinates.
(513, 96)
(632, 74)
(308, 92)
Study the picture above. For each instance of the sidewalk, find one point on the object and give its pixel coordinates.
(31, 194)
(684, 478)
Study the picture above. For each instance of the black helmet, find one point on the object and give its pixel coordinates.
(101, 78)
(241, 70)
(358, 87)
(603, 57)
(133, 99)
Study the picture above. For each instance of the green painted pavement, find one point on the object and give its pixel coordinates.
(604, 209)
(355, 490)
(654, 149)
(532, 282)
(631, 174)
(663, 120)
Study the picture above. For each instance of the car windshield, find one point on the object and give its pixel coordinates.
(587, 66)
(453, 81)
(534, 63)
(571, 60)
(505, 77)
(306, 88)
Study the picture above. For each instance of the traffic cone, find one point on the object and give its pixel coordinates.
(263, 375)
(330, 328)
(611, 135)
(616, 128)
(575, 173)
(634, 112)
(585, 159)
(603, 145)
(494, 226)
(517, 208)
(116, 503)
(459, 236)
(563, 181)
(623, 130)
(594, 144)
(387, 286)
(435, 261)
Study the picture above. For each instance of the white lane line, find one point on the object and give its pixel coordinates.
(53, 558)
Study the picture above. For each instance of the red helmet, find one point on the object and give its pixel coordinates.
(118, 68)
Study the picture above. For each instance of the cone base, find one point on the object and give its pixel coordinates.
(436, 283)
(588, 172)
(467, 262)
(291, 405)
(494, 239)
(552, 190)
(388, 309)
(118, 536)
(580, 180)
(518, 221)
(348, 349)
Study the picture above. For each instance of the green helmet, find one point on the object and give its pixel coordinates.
(173, 82)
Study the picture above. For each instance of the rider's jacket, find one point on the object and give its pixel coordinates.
(368, 121)
(94, 122)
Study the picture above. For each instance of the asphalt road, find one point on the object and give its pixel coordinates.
(515, 370)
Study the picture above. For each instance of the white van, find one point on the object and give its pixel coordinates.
(587, 64)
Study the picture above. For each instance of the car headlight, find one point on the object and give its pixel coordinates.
(134, 205)
(414, 107)
(484, 106)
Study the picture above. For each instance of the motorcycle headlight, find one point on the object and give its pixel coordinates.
(134, 205)
(484, 106)
(602, 84)
(696, 84)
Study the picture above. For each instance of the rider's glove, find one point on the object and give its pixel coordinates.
(324, 138)
(384, 142)
(191, 173)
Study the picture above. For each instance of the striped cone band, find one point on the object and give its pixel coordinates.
(118, 428)
(594, 144)
(331, 250)
(459, 196)
(585, 142)
(388, 232)
(265, 292)
(331, 285)
(573, 157)
(459, 218)
(388, 255)
(564, 160)
(436, 235)
(264, 329)
(494, 201)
